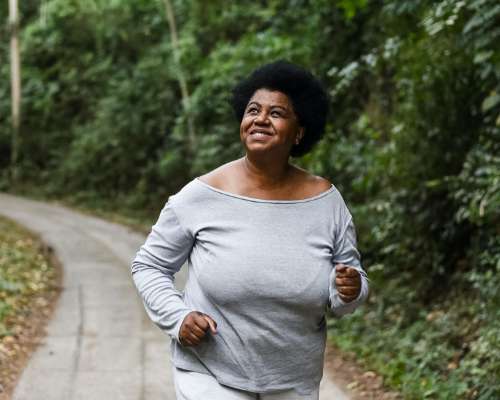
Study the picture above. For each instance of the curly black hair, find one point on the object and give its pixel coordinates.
(308, 96)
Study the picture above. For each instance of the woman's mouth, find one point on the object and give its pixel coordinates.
(259, 134)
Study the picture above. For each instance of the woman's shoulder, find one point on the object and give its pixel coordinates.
(316, 185)
(309, 184)
(312, 181)
(194, 194)
(221, 177)
(303, 183)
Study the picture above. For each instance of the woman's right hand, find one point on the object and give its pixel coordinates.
(194, 328)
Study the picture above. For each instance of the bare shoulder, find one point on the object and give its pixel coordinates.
(312, 184)
(303, 184)
(320, 183)
(220, 177)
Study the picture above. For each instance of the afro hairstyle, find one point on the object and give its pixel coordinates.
(308, 97)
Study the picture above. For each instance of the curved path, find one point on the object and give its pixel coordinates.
(100, 344)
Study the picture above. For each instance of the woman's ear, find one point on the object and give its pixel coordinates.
(300, 135)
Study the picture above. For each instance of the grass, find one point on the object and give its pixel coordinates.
(450, 350)
(25, 273)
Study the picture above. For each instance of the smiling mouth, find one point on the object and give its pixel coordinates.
(259, 134)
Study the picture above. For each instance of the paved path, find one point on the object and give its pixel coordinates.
(100, 345)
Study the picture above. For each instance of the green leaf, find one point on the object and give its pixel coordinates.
(491, 101)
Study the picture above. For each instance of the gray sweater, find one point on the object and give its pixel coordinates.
(262, 269)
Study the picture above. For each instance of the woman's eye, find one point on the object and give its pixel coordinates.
(251, 111)
(276, 114)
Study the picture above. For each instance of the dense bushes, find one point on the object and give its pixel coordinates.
(413, 144)
(431, 223)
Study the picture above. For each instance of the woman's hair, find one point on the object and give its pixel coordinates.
(307, 94)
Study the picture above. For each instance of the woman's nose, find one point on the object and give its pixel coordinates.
(261, 118)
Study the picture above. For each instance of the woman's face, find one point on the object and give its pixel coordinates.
(269, 123)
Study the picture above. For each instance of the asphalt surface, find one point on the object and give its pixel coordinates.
(100, 344)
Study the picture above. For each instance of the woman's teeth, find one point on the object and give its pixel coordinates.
(259, 134)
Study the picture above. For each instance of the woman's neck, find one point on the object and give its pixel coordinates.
(266, 173)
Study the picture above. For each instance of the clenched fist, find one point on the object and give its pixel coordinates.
(194, 328)
(348, 282)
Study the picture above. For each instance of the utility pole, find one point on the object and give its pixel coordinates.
(180, 75)
(15, 75)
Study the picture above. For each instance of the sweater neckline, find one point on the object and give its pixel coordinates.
(257, 200)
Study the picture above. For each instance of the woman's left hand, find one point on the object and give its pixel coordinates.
(348, 282)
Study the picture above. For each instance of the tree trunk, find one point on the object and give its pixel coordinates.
(15, 73)
(180, 76)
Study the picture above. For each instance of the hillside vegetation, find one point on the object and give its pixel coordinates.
(413, 143)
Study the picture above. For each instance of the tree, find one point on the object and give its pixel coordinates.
(15, 68)
(180, 74)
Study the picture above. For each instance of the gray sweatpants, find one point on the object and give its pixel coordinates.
(191, 385)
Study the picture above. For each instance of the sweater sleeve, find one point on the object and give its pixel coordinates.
(166, 249)
(346, 253)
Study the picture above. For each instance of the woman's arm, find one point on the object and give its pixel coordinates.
(346, 253)
(166, 249)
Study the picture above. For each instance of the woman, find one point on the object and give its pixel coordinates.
(269, 246)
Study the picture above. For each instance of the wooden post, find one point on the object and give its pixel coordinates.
(180, 75)
(15, 74)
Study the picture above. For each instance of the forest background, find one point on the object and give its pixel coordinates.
(412, 142)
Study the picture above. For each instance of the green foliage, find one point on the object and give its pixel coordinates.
(412, 142)
(24, 273)
(430, 228)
